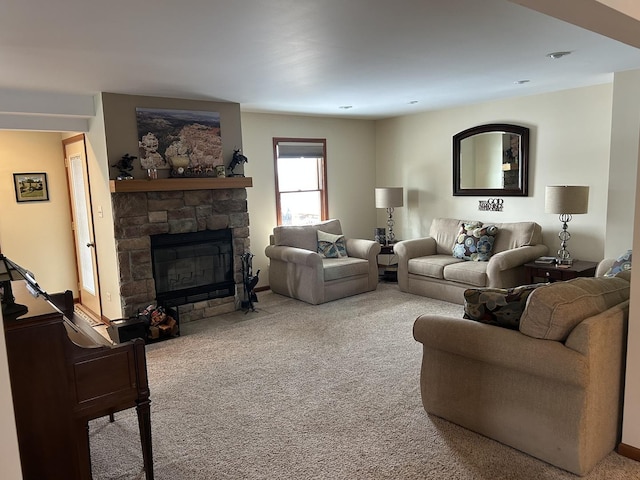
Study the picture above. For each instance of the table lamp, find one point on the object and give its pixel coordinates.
(389, 198)
(566, 200)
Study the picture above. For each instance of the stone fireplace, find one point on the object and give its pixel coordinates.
(141, 215)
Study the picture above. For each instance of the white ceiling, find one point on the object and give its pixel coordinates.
(301, 56)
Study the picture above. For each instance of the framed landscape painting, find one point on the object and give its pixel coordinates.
(31, 187)
(187, 142)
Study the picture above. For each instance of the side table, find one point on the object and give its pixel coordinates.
(554, 273)
(388, 271)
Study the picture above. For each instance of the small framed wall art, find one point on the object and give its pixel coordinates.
(31, 187)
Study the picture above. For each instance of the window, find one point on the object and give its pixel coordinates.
(301, 189)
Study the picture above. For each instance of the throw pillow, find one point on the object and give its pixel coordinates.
(502, 307)
(331, 246)
(622, 264)
(475, 242)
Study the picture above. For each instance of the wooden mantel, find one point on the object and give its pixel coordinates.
(171, 184)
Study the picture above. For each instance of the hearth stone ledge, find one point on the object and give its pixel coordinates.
(137, 215)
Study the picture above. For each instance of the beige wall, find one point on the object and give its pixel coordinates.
(623, 187)
(350, 172)
(626, 139)
(37, 235)
(570, 141)
(631, 413)
(625, 136)
(99, 170)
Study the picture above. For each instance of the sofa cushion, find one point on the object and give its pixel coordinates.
(331, 246)
(554, 310)
(444, 231)
(432, 265)
(622, 264)
(337, 268)
(469, 273)
(304, 236)
(497, 306)
(475, 242)
(517, 234)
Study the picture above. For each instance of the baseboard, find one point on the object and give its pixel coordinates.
(262, 289)
(628, 451)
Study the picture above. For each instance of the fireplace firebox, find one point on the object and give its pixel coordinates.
(192, 267)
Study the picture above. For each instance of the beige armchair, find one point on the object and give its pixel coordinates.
(297, 270)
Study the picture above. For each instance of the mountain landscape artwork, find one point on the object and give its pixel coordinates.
(186, 141)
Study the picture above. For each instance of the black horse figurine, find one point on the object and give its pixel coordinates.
(238, 159)
(125, 165)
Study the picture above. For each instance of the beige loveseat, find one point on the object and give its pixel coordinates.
(297, 270)
(426, 266)
(551, 388)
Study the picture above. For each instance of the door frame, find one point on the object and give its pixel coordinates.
(67, 141)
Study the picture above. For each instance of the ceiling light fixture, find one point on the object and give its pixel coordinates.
(557, 55)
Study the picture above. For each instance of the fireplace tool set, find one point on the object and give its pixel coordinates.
(250, 281)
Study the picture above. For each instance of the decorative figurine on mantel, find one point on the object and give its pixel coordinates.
(125, 165)
(238, 159)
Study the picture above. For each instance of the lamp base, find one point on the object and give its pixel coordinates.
(13, 310)
(10, 309)
(564, 257)
(391, 237)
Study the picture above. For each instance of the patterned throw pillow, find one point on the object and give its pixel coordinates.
(622, 263)
(331, 246)
(475, 242)
(497, 306)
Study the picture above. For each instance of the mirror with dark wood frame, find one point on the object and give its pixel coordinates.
(491, 160)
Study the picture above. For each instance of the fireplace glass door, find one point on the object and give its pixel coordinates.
(191, 267)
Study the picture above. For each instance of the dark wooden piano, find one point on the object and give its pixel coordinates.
(64, 374)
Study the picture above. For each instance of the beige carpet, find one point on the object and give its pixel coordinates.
(295, 391)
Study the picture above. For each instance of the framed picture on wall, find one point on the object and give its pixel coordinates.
(31, 187)
(187, 142)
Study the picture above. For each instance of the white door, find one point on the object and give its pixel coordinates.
(82, 220)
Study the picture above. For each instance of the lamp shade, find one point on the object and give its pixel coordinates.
(570, 199)
(389, 197)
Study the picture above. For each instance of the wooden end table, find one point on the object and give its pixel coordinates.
(388, 271)
(554, 273)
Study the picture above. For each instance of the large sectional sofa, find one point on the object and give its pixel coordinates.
(427, 267)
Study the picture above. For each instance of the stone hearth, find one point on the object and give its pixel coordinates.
(137, 215)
